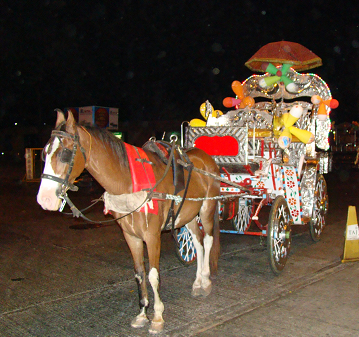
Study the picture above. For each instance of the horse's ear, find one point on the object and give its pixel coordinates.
(60, 117)
(71, 123)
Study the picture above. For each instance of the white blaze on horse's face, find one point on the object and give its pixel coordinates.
(46, 196)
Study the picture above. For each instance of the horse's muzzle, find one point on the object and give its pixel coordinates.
(48, 201)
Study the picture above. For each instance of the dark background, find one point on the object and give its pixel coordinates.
(159, 60)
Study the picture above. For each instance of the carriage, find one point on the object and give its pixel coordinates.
(271, 152)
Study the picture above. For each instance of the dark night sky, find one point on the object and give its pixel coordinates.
(155, 60)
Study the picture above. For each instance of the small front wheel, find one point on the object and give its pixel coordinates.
(186, 252)
(320, 208)
(279, 236)
(241, 221)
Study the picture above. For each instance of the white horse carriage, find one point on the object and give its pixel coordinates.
(271, 151)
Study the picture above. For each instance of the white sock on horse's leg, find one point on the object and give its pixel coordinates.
(207, 243)
(157, 322)
(197, 284)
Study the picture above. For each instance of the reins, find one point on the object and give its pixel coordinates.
(78, 213)
(151, 193)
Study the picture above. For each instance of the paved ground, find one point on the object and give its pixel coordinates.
(57, 281)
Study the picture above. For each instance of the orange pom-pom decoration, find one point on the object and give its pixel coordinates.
(247, 101)
(333, 104)
(230, 102)
(238, 89)
(242, 101)
(322, 110)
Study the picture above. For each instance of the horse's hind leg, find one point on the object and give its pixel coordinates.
(203, 285)
(197, 238)
(153, 242)
(136, 247)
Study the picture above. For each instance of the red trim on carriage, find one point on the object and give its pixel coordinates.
(141, 173)
(218, 145)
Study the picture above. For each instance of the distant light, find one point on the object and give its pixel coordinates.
(215, 71)
(44, 123)
(15, 123)
(2, 153)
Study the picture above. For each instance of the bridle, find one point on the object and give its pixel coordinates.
(67, 156)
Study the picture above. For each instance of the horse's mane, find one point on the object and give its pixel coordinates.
(108, 139)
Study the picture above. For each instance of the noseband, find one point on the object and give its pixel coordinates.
(67, 156)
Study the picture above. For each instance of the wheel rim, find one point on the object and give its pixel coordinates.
(186, 250)
(320, 208)
(279, 235)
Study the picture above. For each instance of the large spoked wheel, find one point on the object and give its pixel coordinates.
(320, 208)
(186, 252)
(279, 234)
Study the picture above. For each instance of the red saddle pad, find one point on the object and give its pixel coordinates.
(142, 174)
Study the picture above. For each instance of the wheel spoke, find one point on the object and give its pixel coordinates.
(241, 220)
(186, 250)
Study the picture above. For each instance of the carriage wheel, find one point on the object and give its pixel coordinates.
(279, 234)
(241, 221)
(320, 208)
(186, 252)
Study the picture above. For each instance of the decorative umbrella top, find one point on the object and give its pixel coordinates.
(278, 53)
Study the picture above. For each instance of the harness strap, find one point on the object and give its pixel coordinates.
(72, 187)
(64, 134)
(181, 204)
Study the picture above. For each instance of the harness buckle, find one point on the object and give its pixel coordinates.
(62, 205)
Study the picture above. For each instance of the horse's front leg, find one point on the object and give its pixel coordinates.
(153, 242)
(136, 246)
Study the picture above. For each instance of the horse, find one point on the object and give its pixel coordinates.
(74, 147)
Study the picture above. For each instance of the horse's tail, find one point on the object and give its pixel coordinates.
(215, 250)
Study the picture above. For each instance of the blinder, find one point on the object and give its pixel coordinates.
(65, 155)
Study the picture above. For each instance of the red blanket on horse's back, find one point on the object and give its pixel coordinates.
(142, 174)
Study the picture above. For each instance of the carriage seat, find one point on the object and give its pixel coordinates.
(238, 168)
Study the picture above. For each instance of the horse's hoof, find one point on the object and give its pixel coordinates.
(156, 327)
(139, 321)
(200, 291)
(206, 291)
(196, 292)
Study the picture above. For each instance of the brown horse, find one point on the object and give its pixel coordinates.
(72, 148)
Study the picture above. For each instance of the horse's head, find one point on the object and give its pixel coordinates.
(65, 159)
